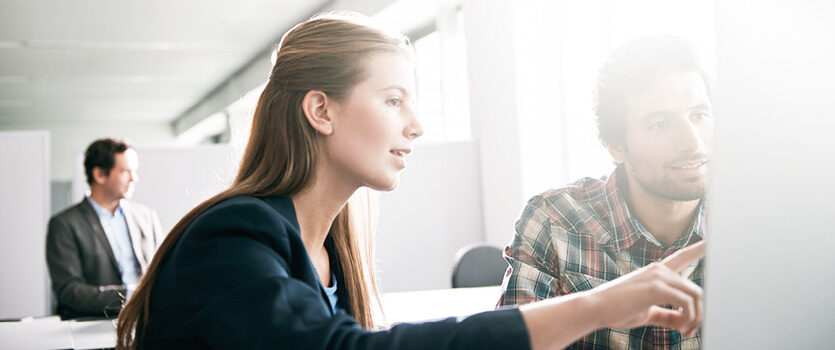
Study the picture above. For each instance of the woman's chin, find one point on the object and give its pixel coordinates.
(385, 186)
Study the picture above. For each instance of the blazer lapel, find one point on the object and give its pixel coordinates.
(337, 273)
(135, 235)
(284, 206)
(93, 219)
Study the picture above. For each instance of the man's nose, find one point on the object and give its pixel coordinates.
(689, 138)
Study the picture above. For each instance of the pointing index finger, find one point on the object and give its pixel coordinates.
(681, 259)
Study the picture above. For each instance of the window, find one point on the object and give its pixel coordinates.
(441, 69)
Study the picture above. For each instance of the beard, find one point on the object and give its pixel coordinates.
(674, 190)
(663, 186)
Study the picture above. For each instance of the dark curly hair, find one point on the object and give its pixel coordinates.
(632, 68)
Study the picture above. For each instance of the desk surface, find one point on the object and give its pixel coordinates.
(425, 305)
(52, 333)
(415, 306)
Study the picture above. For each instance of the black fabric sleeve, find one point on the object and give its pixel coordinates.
(236, 291)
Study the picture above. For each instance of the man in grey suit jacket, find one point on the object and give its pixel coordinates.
(97, 250)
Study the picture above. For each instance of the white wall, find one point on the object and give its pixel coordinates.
(544, 150)
(435, 211)
(770, 281)
(69, 139)
(491, 67)
(173, 180)
(24, 211)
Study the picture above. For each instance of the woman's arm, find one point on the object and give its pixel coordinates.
(235, 289)
(627, 302)
(238, 282)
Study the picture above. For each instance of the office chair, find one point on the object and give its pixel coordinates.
(478, 265)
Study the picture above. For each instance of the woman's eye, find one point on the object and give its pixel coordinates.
(394, 102)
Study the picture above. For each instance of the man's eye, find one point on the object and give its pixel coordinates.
(658, 125)
(701, 115)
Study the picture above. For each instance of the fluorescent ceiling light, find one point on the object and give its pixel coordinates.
(122, 45)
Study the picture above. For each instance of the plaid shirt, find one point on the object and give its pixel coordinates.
(580, 236)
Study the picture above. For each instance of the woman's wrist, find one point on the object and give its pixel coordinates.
(594, 305)
(560, 321)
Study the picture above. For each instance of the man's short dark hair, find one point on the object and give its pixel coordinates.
(102, 153)
(631, 69)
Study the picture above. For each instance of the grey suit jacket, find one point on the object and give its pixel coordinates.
(84, 272)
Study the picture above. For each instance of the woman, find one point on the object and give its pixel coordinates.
(274, 261)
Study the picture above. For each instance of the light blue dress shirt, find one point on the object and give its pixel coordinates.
(116, 229)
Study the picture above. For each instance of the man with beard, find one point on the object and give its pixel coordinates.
(653, 108)
(97, 250)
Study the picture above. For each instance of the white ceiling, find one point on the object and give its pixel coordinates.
(128, 60)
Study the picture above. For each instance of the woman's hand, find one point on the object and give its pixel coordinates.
(635, 299)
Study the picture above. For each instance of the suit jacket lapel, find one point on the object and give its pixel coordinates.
(135, 235)
(98, 232)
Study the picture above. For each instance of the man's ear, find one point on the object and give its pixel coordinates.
(315, 107)
(99, 175)
(618, 153)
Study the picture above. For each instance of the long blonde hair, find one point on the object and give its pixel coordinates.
(325, 53)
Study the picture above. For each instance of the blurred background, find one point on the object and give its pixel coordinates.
(504, 95)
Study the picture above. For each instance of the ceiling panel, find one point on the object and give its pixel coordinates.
(89, 109)
(80, 87)
(132, 60)
(98, 62)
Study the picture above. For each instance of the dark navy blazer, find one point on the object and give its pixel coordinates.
(240, 278)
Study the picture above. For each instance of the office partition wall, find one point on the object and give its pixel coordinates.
(24, 212)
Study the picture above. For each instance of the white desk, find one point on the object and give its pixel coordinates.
(434, 304)
(52, 333)
(425, 305)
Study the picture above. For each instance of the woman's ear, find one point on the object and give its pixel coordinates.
(315, 107)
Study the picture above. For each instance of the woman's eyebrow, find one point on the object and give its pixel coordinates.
(396, 87)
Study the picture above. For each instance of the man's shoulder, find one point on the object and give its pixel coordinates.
(70, 213)
(575, 208)
(585, 191)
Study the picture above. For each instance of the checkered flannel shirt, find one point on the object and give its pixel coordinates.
(580, 236)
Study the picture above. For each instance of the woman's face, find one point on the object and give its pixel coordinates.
(374, 126)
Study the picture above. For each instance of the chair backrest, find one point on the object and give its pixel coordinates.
(478, 265)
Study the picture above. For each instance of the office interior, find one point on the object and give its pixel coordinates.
(505, 98)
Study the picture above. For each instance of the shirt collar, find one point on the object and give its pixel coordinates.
(626, 230)
(104, 213)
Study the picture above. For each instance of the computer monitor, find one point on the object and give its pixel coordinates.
(770, 264)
